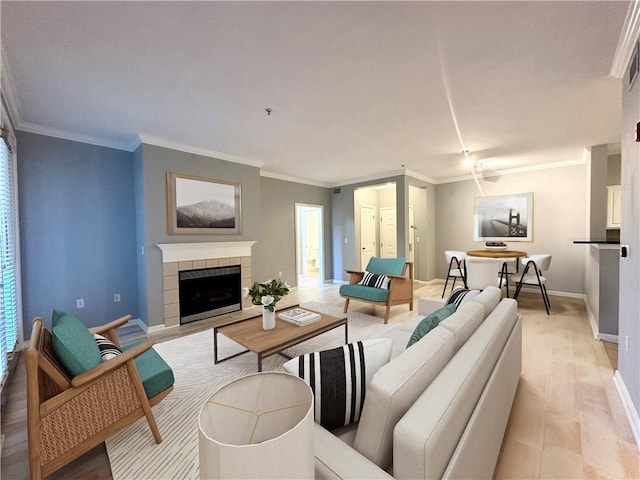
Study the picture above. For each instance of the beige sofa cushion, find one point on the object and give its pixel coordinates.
(393, 390)
(489, 298)
(464, 322)
(426, 437)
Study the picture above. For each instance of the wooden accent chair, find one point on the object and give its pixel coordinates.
(67, 416)
(400, 286)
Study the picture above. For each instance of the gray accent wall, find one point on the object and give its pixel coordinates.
(276, 249)
(77, 229)
(559, 217)
(629, 304)
(598, 165)
(422, 197)
(152, 164)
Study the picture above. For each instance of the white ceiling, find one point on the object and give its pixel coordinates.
(357, 89)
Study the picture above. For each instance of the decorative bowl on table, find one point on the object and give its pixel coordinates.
(495, 246)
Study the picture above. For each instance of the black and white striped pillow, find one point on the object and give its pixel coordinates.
(107, 348)
(373, 280)
(339, 378)
(460, 296)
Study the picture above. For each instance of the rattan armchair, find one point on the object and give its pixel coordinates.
(66, 416)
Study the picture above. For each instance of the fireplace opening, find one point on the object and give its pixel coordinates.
(208, 292)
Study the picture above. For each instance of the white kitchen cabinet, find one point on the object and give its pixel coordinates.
(614, 202)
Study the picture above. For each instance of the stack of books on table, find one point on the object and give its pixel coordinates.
(299, 317)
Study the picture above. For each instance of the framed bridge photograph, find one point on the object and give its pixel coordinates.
(503, 217)
(201, 205)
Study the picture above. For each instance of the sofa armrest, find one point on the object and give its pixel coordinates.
(337, 460)
(427, 305)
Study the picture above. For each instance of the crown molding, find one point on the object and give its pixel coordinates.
(377, 176)
(627, 41)
(8, 90)
(419, 176)
(286, 178)
(205, 152)
(409, 173)
(514, 171)
(76, 137)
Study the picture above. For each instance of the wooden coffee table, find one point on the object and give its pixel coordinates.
(264, 343)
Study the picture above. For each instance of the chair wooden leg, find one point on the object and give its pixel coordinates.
(346, 305)
(386, 314)
(146, 408)
(35, 470)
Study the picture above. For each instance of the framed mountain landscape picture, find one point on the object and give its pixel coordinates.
(201, 205)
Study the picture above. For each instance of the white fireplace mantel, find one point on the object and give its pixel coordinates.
(179, 252)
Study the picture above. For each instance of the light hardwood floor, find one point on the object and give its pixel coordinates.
(566, 422)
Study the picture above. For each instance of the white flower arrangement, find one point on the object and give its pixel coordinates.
(267, 293)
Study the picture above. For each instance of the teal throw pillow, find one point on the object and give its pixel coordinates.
(74, 344)
(430, 322)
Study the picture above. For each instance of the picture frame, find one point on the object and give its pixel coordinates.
(503, 218)
(203, 206)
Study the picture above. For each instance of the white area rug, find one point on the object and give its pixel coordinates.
(134, 455)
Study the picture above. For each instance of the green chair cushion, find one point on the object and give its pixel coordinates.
(386, 266)
(155, 373)
(371, 294)
(74, 344)
(430, 322)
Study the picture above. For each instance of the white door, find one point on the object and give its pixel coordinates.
(367, 234)
(388, 233)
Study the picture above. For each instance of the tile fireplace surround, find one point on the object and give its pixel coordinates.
(188, 256)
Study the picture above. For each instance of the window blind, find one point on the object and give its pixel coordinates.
(8, 298)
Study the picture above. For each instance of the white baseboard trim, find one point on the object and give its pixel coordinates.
(160, 328)
(140, 323)
(337, 282)
(629, 408)
(607, 337)
(556, 293)
(592, 318)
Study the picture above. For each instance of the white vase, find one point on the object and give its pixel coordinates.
(268, 319)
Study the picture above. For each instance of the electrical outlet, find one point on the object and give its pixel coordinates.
(80, 303)
(626, 343)
(116, 297)
(279, 274)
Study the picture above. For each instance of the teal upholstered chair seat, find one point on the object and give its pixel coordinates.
(365, 293)
(399, 288)
(155, 373)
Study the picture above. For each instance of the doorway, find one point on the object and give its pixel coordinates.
(375, 218)
(309, 245)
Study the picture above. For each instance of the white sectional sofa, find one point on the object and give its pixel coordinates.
(438, 409)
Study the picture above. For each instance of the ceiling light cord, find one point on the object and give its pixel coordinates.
(475, 177)
(450, 102)
(465, 152)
